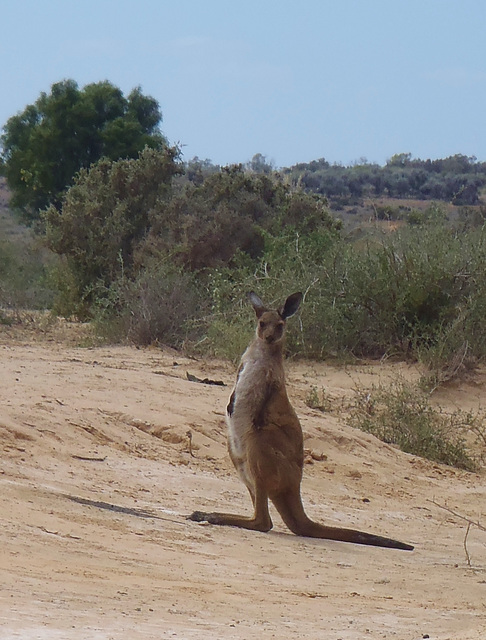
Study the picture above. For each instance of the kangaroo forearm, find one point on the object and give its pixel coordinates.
(261, 409)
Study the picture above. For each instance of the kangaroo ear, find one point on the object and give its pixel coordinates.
(256, 303)
(291, 305)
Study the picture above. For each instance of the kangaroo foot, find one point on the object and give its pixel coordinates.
(199, 516)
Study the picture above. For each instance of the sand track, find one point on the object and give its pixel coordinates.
(97, 477)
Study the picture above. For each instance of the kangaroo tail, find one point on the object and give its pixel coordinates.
(293, 514)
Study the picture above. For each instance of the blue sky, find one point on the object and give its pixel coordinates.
(295, 81)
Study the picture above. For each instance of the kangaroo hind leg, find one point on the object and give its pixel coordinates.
(291, 510)
(261, 520)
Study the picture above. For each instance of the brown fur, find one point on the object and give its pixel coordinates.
(265, 439)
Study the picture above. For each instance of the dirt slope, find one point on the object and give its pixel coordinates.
(97, 477)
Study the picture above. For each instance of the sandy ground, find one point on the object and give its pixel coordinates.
(97, 478)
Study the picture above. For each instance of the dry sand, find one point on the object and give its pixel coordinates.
(97, 479)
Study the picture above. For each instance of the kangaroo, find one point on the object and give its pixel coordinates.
(265, 438)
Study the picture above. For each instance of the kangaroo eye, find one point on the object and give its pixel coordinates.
(262, 324)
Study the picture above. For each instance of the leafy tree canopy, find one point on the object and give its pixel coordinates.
(68, 129)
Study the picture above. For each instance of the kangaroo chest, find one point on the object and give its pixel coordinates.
(255, 380)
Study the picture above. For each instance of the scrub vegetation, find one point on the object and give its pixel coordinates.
(153, 249)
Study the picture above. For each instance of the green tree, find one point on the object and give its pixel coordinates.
(259, 164)
(44, 146)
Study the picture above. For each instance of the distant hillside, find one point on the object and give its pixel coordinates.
(458, 180)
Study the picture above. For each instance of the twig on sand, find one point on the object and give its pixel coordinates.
(470, 523)
(189, 435)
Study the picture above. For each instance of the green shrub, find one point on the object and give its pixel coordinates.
(69, 300)
(290, 263)
(419, 294)
(161, 305)
(226, 339)
(402, 415)
(319, 401)
(23, 275)
(103, 218)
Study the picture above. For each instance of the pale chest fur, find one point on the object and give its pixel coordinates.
(258, 373)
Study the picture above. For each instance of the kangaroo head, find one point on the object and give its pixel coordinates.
(271, 323)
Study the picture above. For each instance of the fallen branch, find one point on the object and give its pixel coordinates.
(189, 435)
(470, 523)
(192, 378)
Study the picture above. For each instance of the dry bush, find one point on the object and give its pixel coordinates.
(402, 415)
